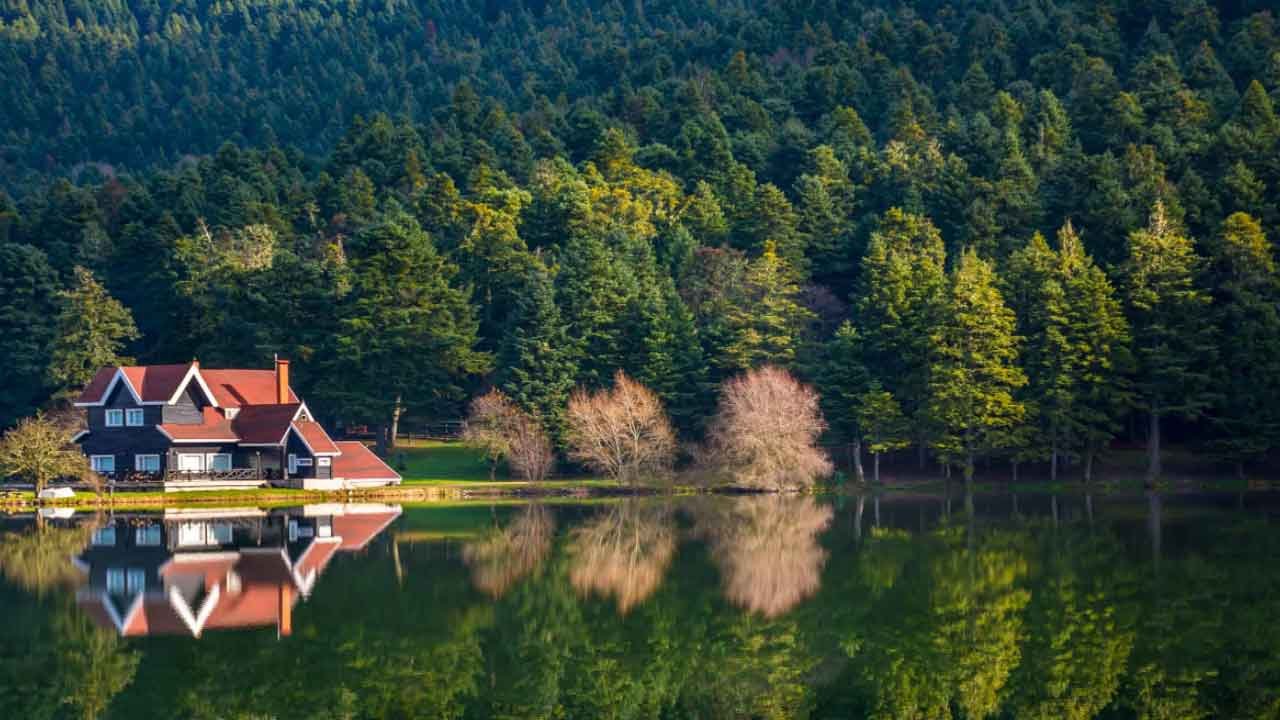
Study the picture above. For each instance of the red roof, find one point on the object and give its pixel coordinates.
(237, 388)
(357, 529)
(357, 462)
(215, 427)
(152, 383)
(316, 438)
(264, 424)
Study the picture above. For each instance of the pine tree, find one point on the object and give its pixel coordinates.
(766, 327)
(884, 427)
(669, 360)
(1246, 291)
(974, 372)
(28, 309)
(1173, 340)
(537, 365)
(898, 308)
(842, 381)
(592, 293)
(92, 331)
(406, 333)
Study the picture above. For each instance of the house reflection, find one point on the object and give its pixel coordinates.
(185, 572)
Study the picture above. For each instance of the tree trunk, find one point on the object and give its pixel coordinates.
(876, 506)
(875, 466)
(1053, 460)
(968, 474)
(857, 518)
(855, 449)
(1053, 504)
(1153, 446)
(1088, 463)
(396, 410)
(1013, 465)
(382, 439)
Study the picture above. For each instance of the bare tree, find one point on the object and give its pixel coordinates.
(622, 432)
(624, 552)
(504, 556)
(40, 451)
(499, 427)
(766, 431)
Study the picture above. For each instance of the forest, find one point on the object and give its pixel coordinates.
(1010, 230)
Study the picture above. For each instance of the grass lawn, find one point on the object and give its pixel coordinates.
(431, 462)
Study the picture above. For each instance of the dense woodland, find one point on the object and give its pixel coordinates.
(990, 229)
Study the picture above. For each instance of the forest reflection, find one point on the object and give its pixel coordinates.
(717, 607)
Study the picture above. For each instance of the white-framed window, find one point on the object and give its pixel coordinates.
(134, 417)
(190, 462)
(135, 581)
(146, 463)
(115, 580)
(293, 463)
(324, 461)
(304, 462)
(324, 527)
(147, 536)
(105, 536)
(218, 461)
(103, 463)
(115, 417)
(220, 533)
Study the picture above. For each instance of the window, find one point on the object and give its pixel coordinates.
(105, 536)
(133, 417)
(293, 463)
(115, 580)
(190, 462)
(103, 463)
(304, 462)
(146, 463)
(219, 461)
(147, 536)
(324, 528)
(324, 461)
(115, 418)
(135, 581)
(220, 533)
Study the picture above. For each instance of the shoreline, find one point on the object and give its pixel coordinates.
(425, 493)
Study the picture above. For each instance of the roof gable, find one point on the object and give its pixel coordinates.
(264, 424)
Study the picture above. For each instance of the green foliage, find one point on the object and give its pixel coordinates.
(28, 309)
(92, 329)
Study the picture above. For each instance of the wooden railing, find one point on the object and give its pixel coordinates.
(232, 475)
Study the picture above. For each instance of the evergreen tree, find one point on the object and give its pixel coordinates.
(1173, 339)
(843, 380)
(537, 364)
(884, 426)
(593, 292)
(1246, 293)
(899, 307)
(92, 331)
(974, 373)
(28, 310)
(406, 333)
(670, 360)
(766, 325)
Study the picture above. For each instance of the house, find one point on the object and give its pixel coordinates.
(186, 572)
(192, 428)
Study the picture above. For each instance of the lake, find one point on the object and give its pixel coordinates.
(906, 606)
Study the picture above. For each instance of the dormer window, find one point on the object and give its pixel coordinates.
(115, 418)
(133, 417)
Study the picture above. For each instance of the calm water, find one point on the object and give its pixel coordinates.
(1034, 607)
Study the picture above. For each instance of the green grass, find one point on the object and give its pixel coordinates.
(431, 462)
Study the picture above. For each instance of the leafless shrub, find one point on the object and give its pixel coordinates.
(499, 427)
(622, 432)
(768, 550)
(624, 553)
(766, 430)
(504, 556)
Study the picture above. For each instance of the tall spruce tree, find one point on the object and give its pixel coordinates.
(899, 304)
(406, 333)
(537, 364)
(843, 379)
(1173, 337)
(1246, 296)
(92, 331)
(766, 327)
(974, 372)
(28, 310)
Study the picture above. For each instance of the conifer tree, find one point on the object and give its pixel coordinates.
(28, 309)
(899, 304)
(592, 294)
(537, 365)
(884, 427)
(406, 334)
(1173, 339)
(766, 326)
(974, 372)
(842, 381)
(92, 331)
(1246, 293)
(670, 359)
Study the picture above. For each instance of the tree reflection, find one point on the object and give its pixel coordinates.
(624, 552)
(39, 559)
(768, 551)
(506, 555)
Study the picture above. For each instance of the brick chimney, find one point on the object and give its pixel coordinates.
(282, 381)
